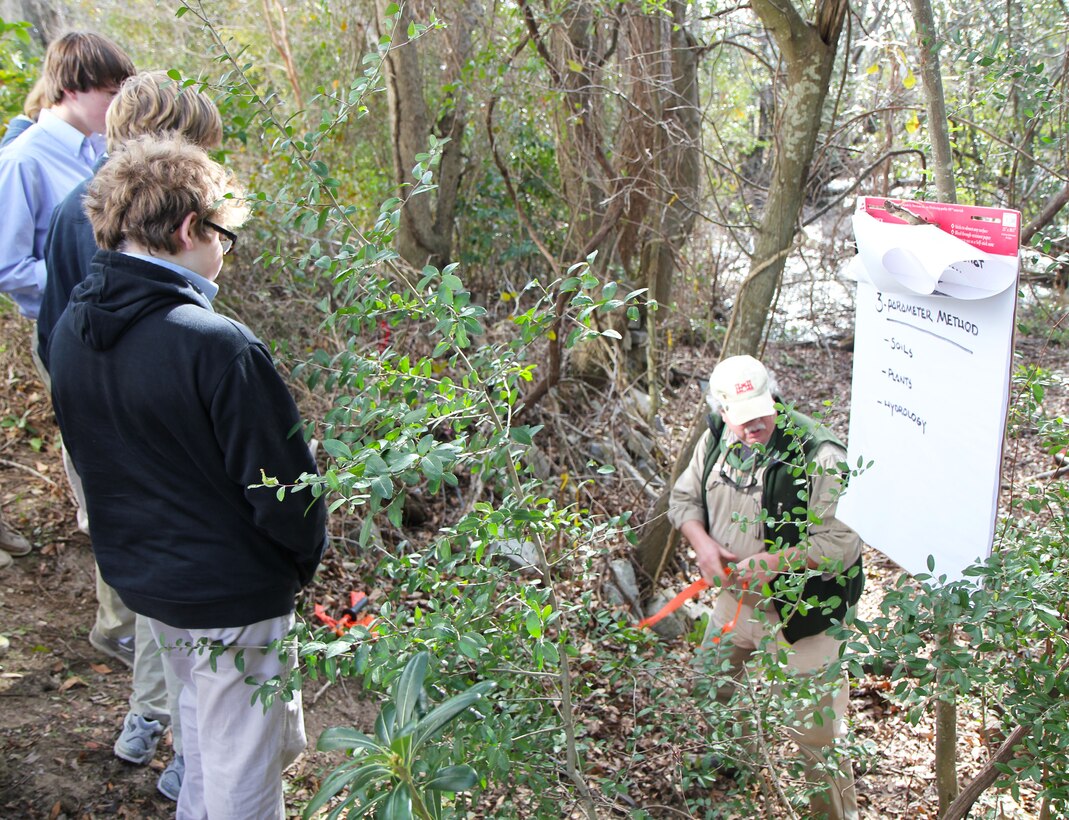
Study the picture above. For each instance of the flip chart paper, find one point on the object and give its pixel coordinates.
(930, 391)
(925, 260)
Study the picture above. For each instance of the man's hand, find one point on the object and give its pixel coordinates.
(712, 557)
(762, 568)
(758, 570)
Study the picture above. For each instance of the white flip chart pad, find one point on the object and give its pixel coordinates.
(932, 356)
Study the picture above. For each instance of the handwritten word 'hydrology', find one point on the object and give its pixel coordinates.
(936, 317)
(898, 410)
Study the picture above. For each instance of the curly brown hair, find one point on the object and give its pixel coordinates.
(147, 187)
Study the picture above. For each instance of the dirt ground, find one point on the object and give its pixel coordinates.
(61, 702)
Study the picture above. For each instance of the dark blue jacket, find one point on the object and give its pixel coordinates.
(69, 248)
(15, 128)
(170, 411)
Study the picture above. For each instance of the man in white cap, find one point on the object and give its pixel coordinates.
(740, 505)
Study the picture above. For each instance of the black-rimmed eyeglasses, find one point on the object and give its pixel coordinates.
(227, 239)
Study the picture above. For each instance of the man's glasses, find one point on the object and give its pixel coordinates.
(227, 239)
(739, 467)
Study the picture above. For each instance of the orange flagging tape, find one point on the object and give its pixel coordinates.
(691, 591)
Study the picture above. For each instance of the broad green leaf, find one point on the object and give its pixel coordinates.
(409, 687)
(346, 738)
(399, 804)
(447, 711)
(385, 724)
(534, 625)
(337, 449)
(453, 779)
(331, 785)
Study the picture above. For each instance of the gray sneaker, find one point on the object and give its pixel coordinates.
(170, 782)
(138, 738)
(122, 649)
(12, 542)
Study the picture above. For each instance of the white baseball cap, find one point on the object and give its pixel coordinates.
(741, 385)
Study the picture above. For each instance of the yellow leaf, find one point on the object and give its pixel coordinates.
(872, 69)
(909, 80)
(551, 335)
(563, 480)
(344, 25)
(575, 66)
(668, 339)
(913, 124)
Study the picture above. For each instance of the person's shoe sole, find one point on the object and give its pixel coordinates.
(132, 753)
(14, 543)
(170, 781)
(102, 645)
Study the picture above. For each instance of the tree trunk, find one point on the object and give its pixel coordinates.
(959, 808)
(808, 52)
(932, 80)
(946, 711)
(425, 235)
(575, 58)
(659, 154)
(48, 19)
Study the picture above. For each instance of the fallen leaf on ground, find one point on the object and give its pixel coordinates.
(101, 668)
(70, 683)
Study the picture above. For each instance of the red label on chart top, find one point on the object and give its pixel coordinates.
(992, 230)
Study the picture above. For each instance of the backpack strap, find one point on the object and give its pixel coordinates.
(712, 453)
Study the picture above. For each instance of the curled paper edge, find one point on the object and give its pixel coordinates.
(922, 260)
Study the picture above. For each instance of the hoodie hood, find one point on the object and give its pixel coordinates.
(119, 292)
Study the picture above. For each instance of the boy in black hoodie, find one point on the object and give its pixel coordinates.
(170, 413)
(147, 103)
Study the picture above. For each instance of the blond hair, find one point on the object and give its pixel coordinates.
(83, 61)
(35, 100)
(152, 103)
(149, 185)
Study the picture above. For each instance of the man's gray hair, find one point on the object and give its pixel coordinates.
(714, 402)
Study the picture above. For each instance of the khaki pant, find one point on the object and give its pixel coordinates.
(837, 800)
(234, 751)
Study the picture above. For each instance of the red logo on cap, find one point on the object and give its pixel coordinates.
(744, 387)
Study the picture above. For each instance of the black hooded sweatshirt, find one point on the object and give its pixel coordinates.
(170, 412)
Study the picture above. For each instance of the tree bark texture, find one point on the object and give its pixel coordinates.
(575, 57)
(659, 151)
(959, 808)
(932, 79)
(630, 180)
(425, 235)
(48, 19)
(807, 50)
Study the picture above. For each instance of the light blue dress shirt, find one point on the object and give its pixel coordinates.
(205, 286)
(37, 171)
